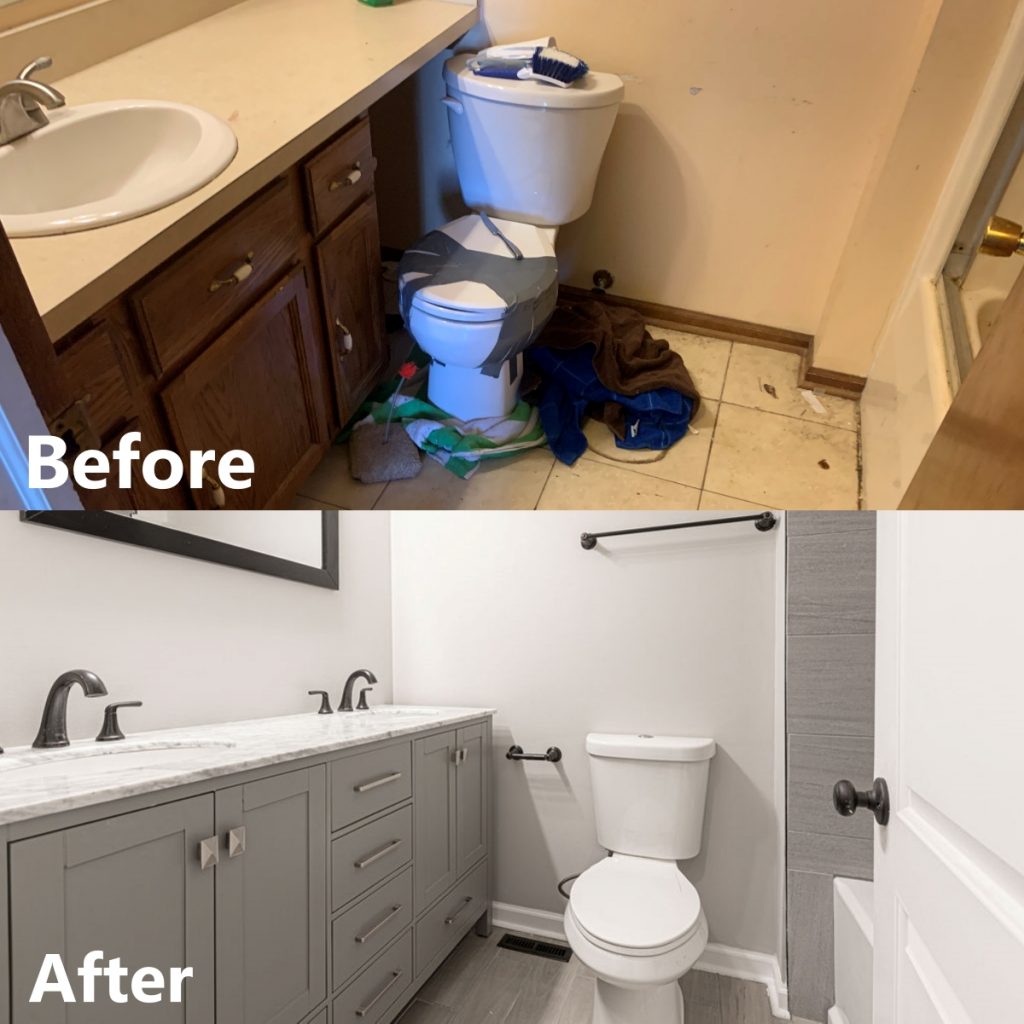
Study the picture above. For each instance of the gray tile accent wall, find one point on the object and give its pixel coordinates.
(830, 689)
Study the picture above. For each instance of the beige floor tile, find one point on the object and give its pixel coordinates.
(331, 482)
(782, 462)
(705, 358)
(593, 485)
(712, 502)
(419, 1012)
(513, 483)
(753, 369)
(683, 463)
(299, 503)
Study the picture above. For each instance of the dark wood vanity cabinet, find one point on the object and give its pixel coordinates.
(264, 334)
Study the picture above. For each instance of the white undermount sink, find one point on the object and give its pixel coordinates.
(101, 163)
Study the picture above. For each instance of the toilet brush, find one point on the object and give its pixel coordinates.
(379, 455)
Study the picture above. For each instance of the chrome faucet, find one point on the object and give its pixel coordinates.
(53, 730)
(350, 683)
(22, 101)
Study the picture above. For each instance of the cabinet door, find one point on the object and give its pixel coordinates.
(434, 816)
(272, 899)
(258, 388)
(471, 778)
(350, 270)
(131, 886)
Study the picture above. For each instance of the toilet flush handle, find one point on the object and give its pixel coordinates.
(453, 104)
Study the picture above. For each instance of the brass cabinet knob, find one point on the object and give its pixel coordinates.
(1002, 238)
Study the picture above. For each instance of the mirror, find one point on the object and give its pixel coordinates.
(299, 546)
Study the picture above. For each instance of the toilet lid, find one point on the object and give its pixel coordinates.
(474, 301)
(636, 905)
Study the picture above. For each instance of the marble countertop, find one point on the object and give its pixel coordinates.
(38, 782)
(285, 74)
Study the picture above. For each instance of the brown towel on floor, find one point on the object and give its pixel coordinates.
(627, 359)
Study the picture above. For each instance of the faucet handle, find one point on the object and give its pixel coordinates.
(362, 705)
(325, 701)
(39, 64)
(111, 730)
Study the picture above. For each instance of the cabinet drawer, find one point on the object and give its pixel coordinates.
(364, 857)
(441, 927)
(367, 783)
(214, 281)
(368, 999)
(339, 176)
(364, 930)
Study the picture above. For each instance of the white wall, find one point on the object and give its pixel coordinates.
(673, 634)
(197, 642)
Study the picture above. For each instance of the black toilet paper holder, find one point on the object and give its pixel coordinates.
(553, 754)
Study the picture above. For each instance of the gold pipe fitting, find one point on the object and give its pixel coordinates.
(1002, 238)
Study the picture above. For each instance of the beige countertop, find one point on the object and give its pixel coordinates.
(285, 74)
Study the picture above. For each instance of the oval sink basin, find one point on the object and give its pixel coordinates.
(101, 760)
(101, 163)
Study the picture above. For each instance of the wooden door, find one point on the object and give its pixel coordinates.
(350, 280)
(258, 388)
(132, 886)
(272, 899)
(976, 459)
(949, 712)
(471, 777)
(435, 813)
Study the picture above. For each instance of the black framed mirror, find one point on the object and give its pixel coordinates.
(298, 546)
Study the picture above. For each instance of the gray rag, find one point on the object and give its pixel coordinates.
(529, 287)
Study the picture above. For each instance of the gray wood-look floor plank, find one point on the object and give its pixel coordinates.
(480, 984)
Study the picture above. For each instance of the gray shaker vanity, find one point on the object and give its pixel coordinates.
(311, 869)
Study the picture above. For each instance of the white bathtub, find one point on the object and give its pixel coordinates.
(854, 941)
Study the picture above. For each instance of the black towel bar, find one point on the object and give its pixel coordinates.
(554, 755)
(763, 521)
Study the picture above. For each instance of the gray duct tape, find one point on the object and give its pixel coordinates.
(529, 287)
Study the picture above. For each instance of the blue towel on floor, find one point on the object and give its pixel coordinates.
(654, 419)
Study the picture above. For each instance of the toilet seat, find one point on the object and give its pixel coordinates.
(469, 301)
(635, 906)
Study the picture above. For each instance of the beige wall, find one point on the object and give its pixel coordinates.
(747, 136)
(905, 186)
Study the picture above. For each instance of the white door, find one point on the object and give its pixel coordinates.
(949, 868)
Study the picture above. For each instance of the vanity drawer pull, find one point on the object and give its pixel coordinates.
(241, 273)
(364, 1010)
(376, 856)
(380, 924)
(209, 853)
(365, 787)
(352, 178)
(453, 917)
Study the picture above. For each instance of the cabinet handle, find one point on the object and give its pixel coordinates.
(465, 903)
(460, 756)
(209, 853)
(365, 787)
(216, 489)
(236, 842)
(346, 336)
(364, 1010)
(377, 927)
(237, 276)
(352, 178)
(376, 856)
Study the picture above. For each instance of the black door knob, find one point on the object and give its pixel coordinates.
(847, 800)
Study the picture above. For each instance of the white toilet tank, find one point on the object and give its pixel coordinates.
(649, 793)
(526, 151)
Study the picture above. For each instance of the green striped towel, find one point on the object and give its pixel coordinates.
(461, 445)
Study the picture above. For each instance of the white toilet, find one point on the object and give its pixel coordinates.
(527, 156)
(633, 918)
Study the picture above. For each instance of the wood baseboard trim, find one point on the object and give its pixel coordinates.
(831, 382)
(707, 324)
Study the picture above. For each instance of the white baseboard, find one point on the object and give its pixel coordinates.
(836, 1016)
(716, 959)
